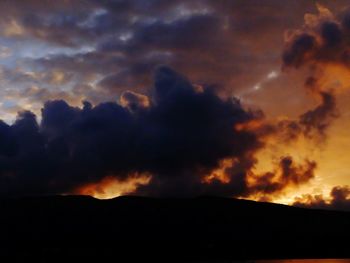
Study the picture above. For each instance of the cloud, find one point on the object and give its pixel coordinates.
(178, 137)
(298, 50)
(320, 45)
(287, 174)
(134, 101)
(5, 52)
(113, 38)
(179, 133)
(323, 39)
(126, 40)
(73, 146)
(311, 124)
(319, 118)
(339, 199)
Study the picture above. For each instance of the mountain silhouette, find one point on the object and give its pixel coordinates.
(203, 228)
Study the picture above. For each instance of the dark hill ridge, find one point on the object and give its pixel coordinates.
(199, 228)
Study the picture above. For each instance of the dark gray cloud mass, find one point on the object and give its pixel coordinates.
(181, 132)
(179, 136)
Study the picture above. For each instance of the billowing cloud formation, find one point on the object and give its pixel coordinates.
(287, 174)
(321, 44)
(323, 39)
(313, 123)
(339, 200)
(180, 138)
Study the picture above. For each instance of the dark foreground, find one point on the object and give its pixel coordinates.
(205, 228)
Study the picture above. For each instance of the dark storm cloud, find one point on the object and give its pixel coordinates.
(339, 200)
(182, 132)
(286, 174)
(179, 136)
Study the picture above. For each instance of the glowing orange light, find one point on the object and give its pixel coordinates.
(250, 126)
(110, 187)
(220, 172)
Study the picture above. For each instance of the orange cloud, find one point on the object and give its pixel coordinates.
(110, 187)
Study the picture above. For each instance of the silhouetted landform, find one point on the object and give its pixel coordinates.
(203, 228)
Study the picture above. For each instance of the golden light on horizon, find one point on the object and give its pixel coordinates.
(110, 187)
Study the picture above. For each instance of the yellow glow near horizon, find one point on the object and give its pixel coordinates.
(110, 187)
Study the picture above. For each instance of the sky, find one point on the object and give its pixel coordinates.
(241, 98)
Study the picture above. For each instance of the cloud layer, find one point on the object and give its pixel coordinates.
(94, 50)
(180, 136)
(167, 135)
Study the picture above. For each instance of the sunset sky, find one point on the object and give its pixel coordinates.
(239, 98)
